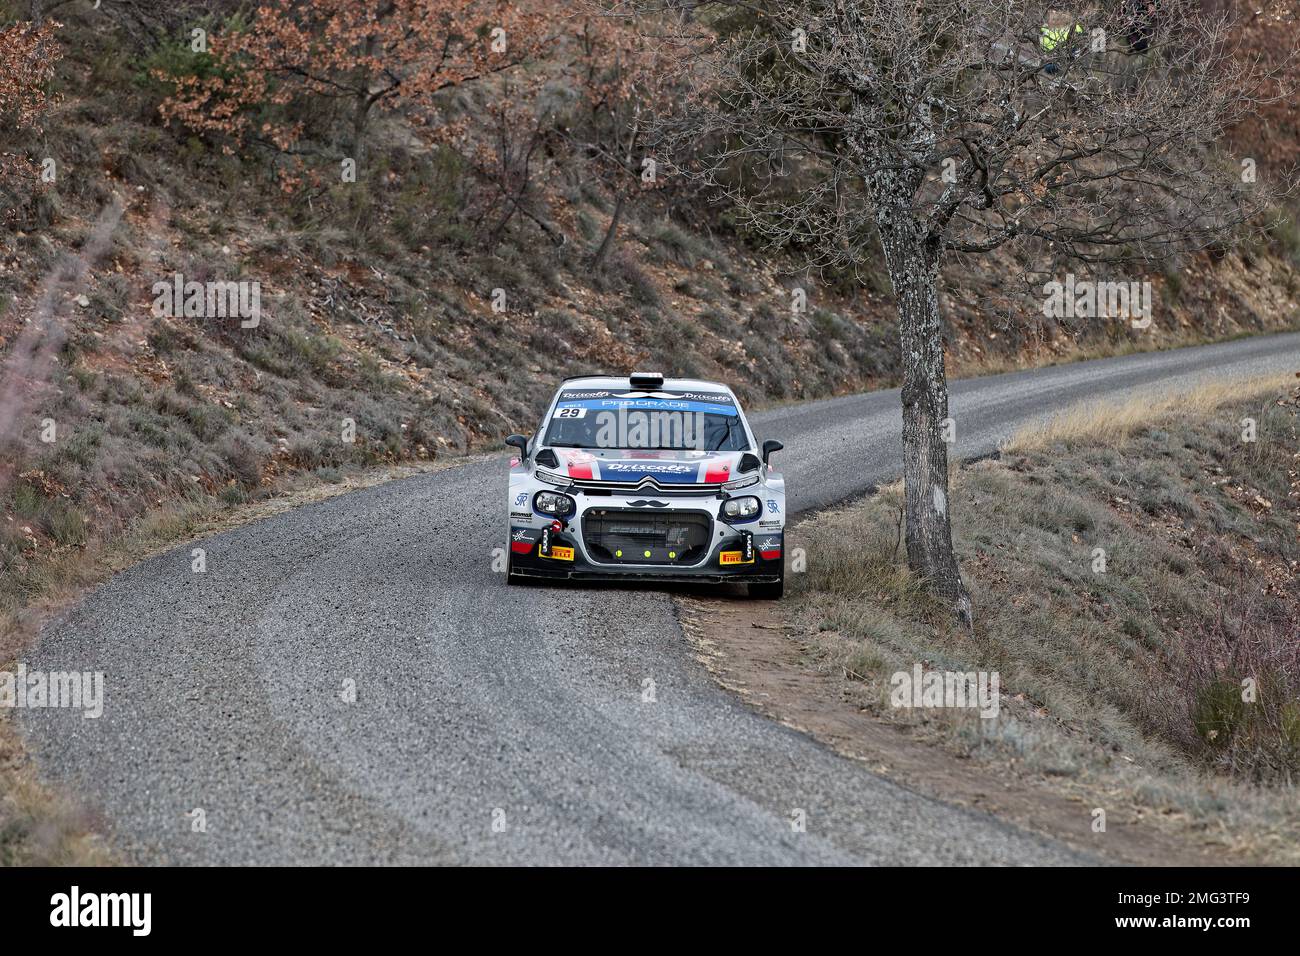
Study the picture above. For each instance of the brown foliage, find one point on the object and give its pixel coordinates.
(28, 54)
(401, 53)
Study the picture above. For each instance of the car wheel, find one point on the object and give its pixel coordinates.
(769, 592)
(511, 577)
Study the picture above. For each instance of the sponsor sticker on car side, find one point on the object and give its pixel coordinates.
(522, 540)
(733, 557)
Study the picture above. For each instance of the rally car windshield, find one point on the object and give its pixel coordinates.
(699, 422)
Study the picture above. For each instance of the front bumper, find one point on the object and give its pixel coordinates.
(665, 576)
(611, 540)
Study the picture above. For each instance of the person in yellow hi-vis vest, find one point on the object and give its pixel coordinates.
(1060, 29)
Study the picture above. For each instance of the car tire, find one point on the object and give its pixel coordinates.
(511, 577)
(769, 592)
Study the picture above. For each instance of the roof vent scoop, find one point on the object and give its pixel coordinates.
(646, 380)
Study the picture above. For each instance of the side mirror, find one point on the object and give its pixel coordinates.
(770, 446)
(520, 442)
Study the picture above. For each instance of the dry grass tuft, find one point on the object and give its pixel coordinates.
(1113, 423)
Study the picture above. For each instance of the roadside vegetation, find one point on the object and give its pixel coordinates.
(1121, 682)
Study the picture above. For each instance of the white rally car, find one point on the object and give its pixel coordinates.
(642, 478)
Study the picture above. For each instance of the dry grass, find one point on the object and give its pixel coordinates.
(1111, 423)
(39, 827)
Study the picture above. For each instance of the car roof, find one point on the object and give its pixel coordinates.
(622, 381)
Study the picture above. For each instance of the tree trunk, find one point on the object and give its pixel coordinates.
(598, 260)
(913, 270)
(360, 119)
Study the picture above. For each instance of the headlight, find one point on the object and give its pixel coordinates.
(740, 483)
(550, 503)
(741, 507)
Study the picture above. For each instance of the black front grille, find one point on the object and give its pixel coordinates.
(636, 536)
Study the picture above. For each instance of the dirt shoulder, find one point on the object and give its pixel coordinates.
(752, 650)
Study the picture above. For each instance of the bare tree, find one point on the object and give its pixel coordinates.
(620, 85)
(943, 128)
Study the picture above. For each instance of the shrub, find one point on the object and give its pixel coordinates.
(1235, 697)
(64, 524)
(241, 460)
(670, 242)
(623, 270)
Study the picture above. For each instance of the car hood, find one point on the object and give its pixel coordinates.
(631, 465)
